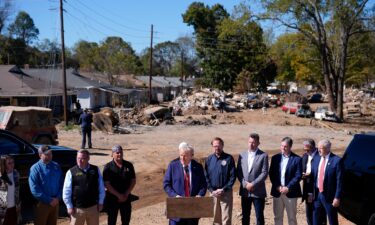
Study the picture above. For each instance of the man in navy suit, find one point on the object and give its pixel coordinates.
(311, 154)
(285, 174)
(327, 184)
(185, 178)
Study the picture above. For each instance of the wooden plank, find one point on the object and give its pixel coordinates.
(190, 207)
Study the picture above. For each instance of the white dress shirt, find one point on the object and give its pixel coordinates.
(250, 159)
(283, 164)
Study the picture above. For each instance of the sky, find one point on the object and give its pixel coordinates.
(94, 20)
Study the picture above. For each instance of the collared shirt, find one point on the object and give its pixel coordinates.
(67, 190)
(283, 164)
(325, 166)
(220, 172)
(309, 159)
(120, 178)
(46, 181)
(189, 167)
(250, 159)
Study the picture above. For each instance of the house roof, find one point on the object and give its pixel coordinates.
(74, 80)
(16, 83)
(163, 81)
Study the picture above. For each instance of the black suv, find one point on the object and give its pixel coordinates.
(25, 155)
(358, 189)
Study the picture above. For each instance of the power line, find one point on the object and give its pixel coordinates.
(113, 21)
(103, 25)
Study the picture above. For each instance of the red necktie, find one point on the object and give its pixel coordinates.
(187, 181)
(321, 175)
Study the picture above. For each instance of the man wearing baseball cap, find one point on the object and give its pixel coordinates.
(119, 180)
(46, 181)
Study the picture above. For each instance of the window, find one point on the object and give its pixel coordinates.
(8, 146)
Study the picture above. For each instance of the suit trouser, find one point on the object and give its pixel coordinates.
(184, 222)
(90, 215)
(259, 204)
(322, 208)
(290, 205)
(86, 132)
(45, 214)
(223, 207)
(309, 207)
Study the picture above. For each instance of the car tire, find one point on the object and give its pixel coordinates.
(371, 221)
(44, 140)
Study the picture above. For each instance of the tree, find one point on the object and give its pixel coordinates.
(294, 64)
(117, 57)
(231, 48)
(86, 53)
(319, 21)
(23, 28)
(5, 9)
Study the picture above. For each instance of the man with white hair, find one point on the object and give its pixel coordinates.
(327, 184)
(185, 178)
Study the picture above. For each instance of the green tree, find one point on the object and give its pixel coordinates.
(23, 28)
(5, 12)
(231, 49)
(318, 21)
(87, 54)
(117, 57)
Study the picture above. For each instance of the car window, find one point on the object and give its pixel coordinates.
(4, 116)
(9, 146)
(360, 154)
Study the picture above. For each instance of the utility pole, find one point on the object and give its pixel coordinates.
(182, 71)
(149, 84)
(65, 96)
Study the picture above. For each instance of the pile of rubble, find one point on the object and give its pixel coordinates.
(207, 100)
(359, 103)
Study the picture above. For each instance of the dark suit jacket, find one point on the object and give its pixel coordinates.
(293, 175)
(174, 179)
(332, 177)
(257, 175)
(308, 181)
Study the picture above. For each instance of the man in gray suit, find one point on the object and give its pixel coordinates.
(252, 171)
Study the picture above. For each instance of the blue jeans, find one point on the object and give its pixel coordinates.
(246, 209)
(86, 131)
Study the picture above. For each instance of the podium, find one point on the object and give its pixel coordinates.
(190, 207)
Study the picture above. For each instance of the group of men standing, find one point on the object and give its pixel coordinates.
(84, 190)
(319, 169)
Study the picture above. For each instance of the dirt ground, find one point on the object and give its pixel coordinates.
(152, 148)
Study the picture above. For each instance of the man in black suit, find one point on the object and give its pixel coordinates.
(285, 175)
(311, 154)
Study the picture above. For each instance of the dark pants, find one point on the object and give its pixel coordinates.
(86, 131)
(10, 217)
(125, 212)
(309, 206)
(184, 222)
(323, 208)
(246, 209)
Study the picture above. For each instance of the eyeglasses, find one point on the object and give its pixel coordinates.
(119, 152)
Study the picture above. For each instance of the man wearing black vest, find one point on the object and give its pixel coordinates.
(83, 191)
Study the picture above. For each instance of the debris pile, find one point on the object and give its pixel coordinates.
(359, 103)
